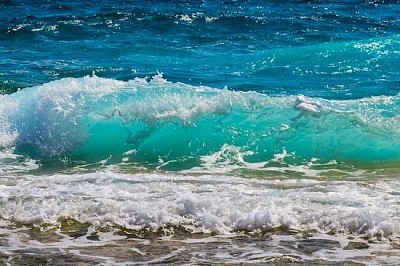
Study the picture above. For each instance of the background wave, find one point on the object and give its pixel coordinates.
(331, 50)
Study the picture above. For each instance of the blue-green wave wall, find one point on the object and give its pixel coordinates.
(153, 121)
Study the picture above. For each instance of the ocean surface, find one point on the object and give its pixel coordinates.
(199, 132)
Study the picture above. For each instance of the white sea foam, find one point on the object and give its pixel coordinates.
(205, 203)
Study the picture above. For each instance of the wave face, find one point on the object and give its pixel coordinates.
(155, 123)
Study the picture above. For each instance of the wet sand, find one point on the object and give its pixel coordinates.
(81, 245)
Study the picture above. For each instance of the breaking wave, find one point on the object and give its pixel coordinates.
(152, 122)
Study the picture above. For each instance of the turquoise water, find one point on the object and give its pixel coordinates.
(155, 123)
(268, 121)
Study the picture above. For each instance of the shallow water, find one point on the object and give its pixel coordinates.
(205, 249)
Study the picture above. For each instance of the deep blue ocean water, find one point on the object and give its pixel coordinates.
(335, 49)
(219, 117)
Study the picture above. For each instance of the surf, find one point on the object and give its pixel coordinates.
(153, 122)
